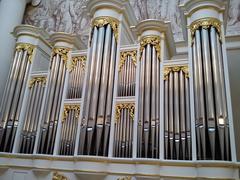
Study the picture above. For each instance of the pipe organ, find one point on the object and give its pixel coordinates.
(212, 123)
(137, 101)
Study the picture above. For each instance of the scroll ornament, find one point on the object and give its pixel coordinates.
(67, 108)
(129, 106)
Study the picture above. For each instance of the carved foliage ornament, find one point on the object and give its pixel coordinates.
(62, 52)
(26, 47)
(154, 41)
(129, 106)
(35, 80)
(205, 23)
(104, 20)
(57, 176)
(67, 108)
(125, 178)
(124, 55)
(167, 70)
(81, 59)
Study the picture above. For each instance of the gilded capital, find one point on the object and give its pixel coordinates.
(69, 107)
(62, 52)
(154, 41)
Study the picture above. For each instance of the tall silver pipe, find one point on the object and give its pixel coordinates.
(217, 90)
(109, 95)
(88, 91)
(103, 87)
(176, 114)
(209, 90)
(171, 112)
(96, 83)
(188, 124)
(166, 104)
(202, 120)
(147, 99)
(182, 114)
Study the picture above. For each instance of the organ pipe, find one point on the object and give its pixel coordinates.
(177, 133)
(13, 95)
(212, 129)
(95, 123)
(53, 100)
(149, 88)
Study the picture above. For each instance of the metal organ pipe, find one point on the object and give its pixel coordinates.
(97, 111)
(13, 95)
(212, 99)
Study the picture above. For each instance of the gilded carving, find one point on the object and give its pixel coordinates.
(123, 58)
(154, 41)
(26, 47)
(57, 176)
(104, 20)
(69, 107)
(167, 70)
(62, 52)
(81, 59)
(125, 178)
(129, 106)
(34, 80)
(205, 23)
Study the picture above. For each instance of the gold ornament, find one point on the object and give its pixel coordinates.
(69, 107)
(169, 69)
(125, 178)
(205, 23)
(123, 58)
(129, 106)
(26, 47)
(104, 20)
(57, 176)
(82, 60)
(62, 52)
(35, 80)
(153, 40)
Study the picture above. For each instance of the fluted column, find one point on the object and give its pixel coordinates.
(212, 114)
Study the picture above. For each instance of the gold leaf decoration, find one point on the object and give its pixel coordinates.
(57, 176)
(154, 41)
(26, 47)
(69, 107)
(62, 52)
(123, 58)
(205, 23)
(35, 80)
(169, 69)
(104, 20)
(82, 60)
(129, 106)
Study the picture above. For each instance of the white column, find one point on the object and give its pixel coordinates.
(11, 15)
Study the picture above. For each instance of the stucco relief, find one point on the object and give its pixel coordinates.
(69, 15)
